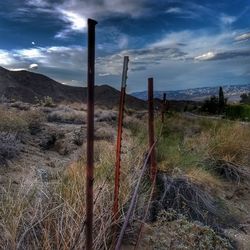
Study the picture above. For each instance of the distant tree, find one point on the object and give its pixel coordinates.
(222, 101)
(245, 98)
(211, 105)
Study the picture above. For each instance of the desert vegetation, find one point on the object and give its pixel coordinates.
(203, 164)
(219, 106)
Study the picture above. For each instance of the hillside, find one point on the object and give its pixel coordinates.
(25, 86)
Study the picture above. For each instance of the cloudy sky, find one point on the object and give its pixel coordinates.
(182, 44)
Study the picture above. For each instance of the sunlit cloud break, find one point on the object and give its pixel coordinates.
(206, 56)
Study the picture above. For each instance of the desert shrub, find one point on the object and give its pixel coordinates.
(188, 198)
(245, 98)
(105, 133)
(4, 99)
(20, 105)
(34, 119)
(78, 136)
(173, 231)
(10, 146)
(105, 115)
(136, 127)
(12, 121)
(46, 101)
(240, 112)
(67, 115)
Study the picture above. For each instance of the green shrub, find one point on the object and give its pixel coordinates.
(46, 101)
(238, 112)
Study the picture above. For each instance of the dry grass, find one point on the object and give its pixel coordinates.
(204, 178)
(173, 231)
(51, 215)
(12, 121)
(190, 143)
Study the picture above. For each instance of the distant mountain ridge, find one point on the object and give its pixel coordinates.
(232, 92)
(25, 86)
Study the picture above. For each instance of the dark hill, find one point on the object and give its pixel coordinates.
(25, 86)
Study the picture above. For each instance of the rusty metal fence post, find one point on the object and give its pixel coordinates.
(163, 108)
(119, 137)
(153, 168)
(90, 134)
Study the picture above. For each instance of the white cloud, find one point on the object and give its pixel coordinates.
(206, 56)
(61, 58)
(6, 58)
(33, 66)
(75, 21)
(243, 37)
(74, 13)
(37, 3)
(198, 42)
(30, 53)
(17, 69)
(174, 10)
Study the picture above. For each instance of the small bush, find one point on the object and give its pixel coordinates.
(20, 105)
(34, 120)
(67, 115)
(238, 112)
(46, 101)
(12, 121)
(10, 146)
(173, 231)
(105, 116)
(190, 199)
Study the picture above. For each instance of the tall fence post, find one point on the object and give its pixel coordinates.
(163, 108)
(90, 134)
(151, 127)
(119, 137)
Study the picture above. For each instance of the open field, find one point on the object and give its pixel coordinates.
(202, 184)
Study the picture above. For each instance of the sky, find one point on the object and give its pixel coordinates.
(182, 44)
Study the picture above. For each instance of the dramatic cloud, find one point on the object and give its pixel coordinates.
(139, 59)
(180, 43)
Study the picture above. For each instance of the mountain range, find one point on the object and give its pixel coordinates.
(232, 92)
(27, 86)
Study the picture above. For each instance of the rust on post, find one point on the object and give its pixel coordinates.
(90, 134)
(163, 108)
(119, 138)
(153, 168)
